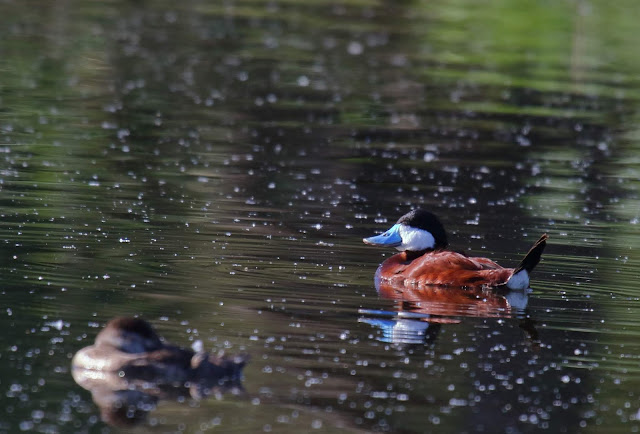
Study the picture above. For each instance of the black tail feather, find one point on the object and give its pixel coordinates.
(533, 257)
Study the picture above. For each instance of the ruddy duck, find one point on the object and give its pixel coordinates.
(132, 348)
(424, 258)
(129, 368)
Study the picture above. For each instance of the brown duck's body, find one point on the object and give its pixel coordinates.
(132, 347)
(129, 368)
(442, 267)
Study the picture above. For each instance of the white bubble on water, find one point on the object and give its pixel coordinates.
(355, 48)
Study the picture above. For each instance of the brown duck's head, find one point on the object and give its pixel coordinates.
(130, 335)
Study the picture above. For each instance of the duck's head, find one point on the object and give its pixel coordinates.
(130, 335)
(415, 231)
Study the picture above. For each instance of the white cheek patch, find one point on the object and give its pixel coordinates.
(415, 239)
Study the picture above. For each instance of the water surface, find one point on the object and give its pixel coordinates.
(214, 167)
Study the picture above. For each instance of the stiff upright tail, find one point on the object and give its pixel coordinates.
(520, 277)
(533, 256)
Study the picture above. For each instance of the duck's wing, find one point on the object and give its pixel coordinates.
(486, 264)
(451, 268)
(447, 261)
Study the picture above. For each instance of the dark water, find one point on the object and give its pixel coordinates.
(213, 167)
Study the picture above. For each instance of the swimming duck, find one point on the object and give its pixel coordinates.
(131, 347)
(424, 259)
(129, 369)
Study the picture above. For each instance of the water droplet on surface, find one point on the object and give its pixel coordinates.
(355, 48)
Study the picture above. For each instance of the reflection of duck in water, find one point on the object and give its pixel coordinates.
(419, 312)
(129, 367)
(401, 327)
(419, 322)
(424, 260)
(456, 301)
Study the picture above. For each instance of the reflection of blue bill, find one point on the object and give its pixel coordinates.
(400, 314)
(400, 330)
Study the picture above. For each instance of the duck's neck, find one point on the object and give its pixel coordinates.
(401, 260)
(408, 255)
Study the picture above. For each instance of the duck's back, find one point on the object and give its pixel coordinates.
(443, 267)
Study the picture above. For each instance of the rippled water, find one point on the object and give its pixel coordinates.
(213, 168)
